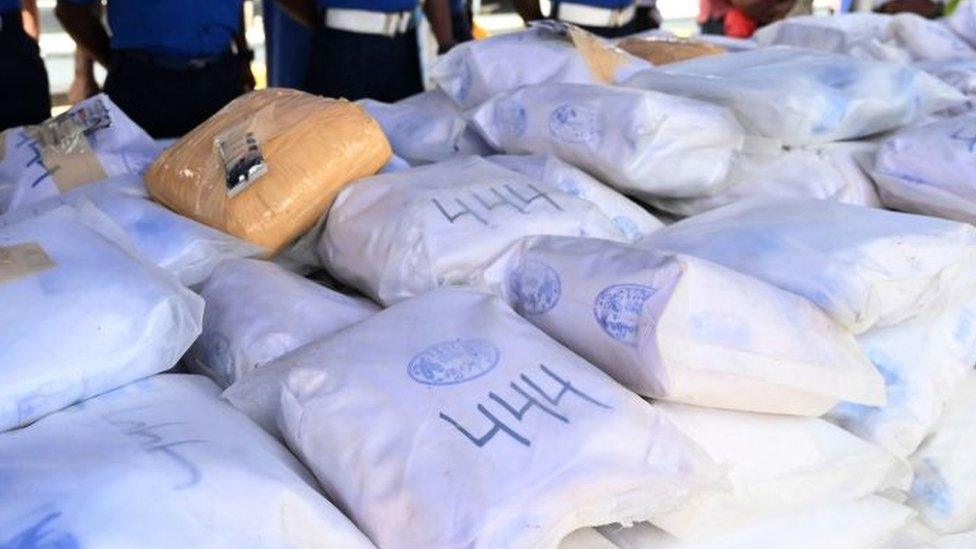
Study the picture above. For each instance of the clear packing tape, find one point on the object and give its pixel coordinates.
(269, 164)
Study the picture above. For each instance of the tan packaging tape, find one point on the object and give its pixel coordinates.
(22, 260)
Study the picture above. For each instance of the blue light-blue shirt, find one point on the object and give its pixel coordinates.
(386, 6)
(9, 5)
(608, 4)
(190, 28)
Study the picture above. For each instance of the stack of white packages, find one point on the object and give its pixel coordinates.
(680, 328)
(257, 312)
(81, 315)
(400, 234)
(803, 97)
(426, 127)
(683, 329)
(958, 73)
(643, 143)
(904, 37)
(92, 141)
(929, 169)
(473, 72)
(633, 221)
(162, 462)
(448, 421)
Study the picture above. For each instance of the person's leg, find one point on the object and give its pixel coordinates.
(613, 32)
(28, 100)
(84, 84)
(461, 26)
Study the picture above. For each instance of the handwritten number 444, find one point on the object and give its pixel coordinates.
(531, 396)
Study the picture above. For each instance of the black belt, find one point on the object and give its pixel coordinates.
(11, 20)
(174, 63)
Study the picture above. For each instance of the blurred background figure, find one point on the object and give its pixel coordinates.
(607, 18)
(367, 48)
(740, 18)
(647, 17)
(25, 97)
(170, 64)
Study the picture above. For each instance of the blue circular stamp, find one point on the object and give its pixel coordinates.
(618, 310)
(576, 124)
(510, 117)
(628, 228)
(452, 362)
(535, 286)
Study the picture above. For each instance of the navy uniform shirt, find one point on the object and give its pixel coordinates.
(186, 28)
(9, 5)
(387, 6)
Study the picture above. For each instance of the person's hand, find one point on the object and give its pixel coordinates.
(925, 8)
(82, 87)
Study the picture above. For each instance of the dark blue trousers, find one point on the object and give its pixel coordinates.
(25, 96)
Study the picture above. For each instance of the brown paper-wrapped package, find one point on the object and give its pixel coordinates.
(661, 50)
(309, 148)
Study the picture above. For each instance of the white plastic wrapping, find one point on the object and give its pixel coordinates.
(473, 72)
(963, 22)
(931, 169)
(426, 127)
(922, 361)
(826, 172)
(633, 221)
(958, 73)
(803, 97)
(92, 141)
(257, 311)
(643, 143)
(775, 465)
(188, 249)
(684, 329)
(84, 316)
(944, 491)
(160, 463)
(903, 37)
(397, 235)
(859, 524)
(448, 421)
(865, 267)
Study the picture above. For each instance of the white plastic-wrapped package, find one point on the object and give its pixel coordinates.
(858, 524)
(633, 221)
(426, 127)
(398, 235)
(188, 249)
(473, 72)
(160, 463)
(963, 22)
(944, 490)
(922, 361)
(80, 315)
(803, 97)
(92, 141)
(958, 73)
(904, 37)
(931, 169)
(775, 465)
(865, 267)
(642, 143)
(257, 311)
(684, 329)
(448, 421)
(825, 172)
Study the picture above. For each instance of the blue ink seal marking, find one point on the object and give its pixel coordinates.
(618, 310)
(452, 362)
(575, 124)
(627, 227)
(536, 287)
(510, 117)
